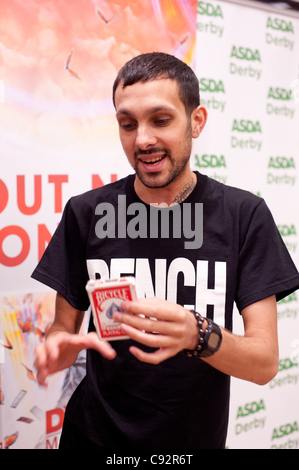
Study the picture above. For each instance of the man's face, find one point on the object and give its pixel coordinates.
(155, 132)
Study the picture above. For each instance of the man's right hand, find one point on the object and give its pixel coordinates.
(61, 349)
(63, 343)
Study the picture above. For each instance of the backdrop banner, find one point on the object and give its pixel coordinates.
(59, 138)
(248, 67)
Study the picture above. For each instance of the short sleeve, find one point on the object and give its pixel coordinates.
(265, 266)
(63, 266)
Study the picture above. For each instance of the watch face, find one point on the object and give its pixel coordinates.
(213, 340)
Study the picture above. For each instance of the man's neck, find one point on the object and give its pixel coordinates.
(174, 193)
(185, 191)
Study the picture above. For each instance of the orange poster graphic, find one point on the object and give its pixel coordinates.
(58, 137)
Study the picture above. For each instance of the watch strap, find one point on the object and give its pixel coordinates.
(208, 351)
(201, 341)
(203, 350)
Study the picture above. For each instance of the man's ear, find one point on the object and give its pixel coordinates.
(198, 119)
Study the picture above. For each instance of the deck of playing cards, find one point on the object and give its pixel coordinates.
(106, 298)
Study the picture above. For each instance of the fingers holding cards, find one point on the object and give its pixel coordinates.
(169, 324)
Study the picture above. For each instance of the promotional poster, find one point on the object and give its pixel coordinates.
(59, 138)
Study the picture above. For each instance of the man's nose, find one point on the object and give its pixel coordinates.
(145, 138)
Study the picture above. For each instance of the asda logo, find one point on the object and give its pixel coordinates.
(250, 409)
(280, 94)
(280, 25)
(204, 8)
(210, 161)
(284, 430)
(288, 299)
(246, 126)
(286, 364)
(286, 230)
(208, 84)
(245, 53)
(281, 162)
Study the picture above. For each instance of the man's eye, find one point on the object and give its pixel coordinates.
(127, 127)
(162, 122)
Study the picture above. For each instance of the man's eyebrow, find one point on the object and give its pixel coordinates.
(150, 111)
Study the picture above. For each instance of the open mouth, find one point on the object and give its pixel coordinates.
(153, 161)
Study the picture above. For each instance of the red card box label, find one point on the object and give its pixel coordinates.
(106, 299)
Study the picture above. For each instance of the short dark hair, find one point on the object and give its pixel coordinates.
(156, 65)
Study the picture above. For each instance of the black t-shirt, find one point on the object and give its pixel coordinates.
(224, 249)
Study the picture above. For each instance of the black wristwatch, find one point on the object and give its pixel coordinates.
(209, 340)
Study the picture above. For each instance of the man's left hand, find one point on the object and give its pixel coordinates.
(174, 328)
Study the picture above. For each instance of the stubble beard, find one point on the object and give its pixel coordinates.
(155, 180)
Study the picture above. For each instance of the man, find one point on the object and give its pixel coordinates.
(168, 386)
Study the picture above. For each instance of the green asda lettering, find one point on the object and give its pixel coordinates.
(204, 8)
(281, 162)
(289, 378)
(213, 12)
(210, 161)
(244, 53)
(286, 364)
(250, 408)
(283, 26)
(246, 126)
(250, 127)
(208, 84)
(287, 230)
(280, 94)
(212, 86)
(288, 299)
(284, 430)
(280, 25)
(247, 54)
(287, 309)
